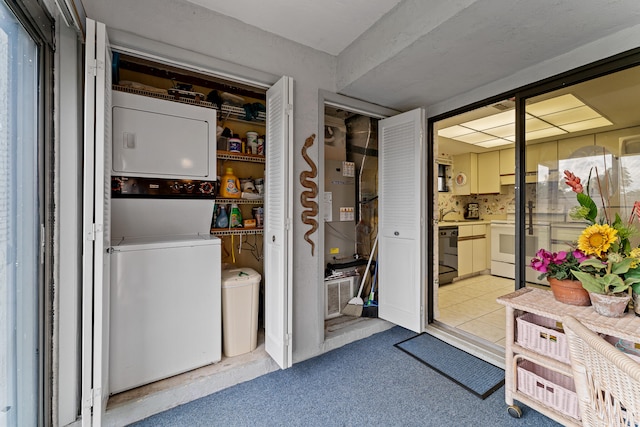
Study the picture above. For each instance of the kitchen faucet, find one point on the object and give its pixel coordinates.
(443, 213)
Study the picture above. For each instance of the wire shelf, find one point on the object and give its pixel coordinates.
(236, 231)
(228, 111)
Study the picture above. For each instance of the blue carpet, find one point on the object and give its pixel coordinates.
(476, 375)
(366, 383)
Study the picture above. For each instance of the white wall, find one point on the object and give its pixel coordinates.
(67, 250)
(204, 38)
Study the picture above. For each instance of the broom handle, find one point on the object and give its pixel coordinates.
(364, 277)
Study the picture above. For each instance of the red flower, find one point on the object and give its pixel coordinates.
(573, 182)
(635, 212)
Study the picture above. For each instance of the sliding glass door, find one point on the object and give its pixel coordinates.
(590, 129)
(20, 221)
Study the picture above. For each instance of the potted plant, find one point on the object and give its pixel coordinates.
(612, 267)
(557, 268)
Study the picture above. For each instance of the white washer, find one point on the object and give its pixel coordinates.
(165, 308)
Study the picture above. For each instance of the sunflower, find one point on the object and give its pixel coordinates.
(596, 239)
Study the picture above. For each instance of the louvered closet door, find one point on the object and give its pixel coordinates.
(96, 220)
(277, 231)
(401, 225)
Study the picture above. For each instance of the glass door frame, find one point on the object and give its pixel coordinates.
(584, 73)
(38, 23)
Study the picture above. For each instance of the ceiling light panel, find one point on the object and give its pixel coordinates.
(474, 138)
(494, 143)
(553, 105)
(454, 131)
(503, 131)
(551, 117)
(534, 124)
(587, 124)
(543, 133)
(489, 122)
(573, 115)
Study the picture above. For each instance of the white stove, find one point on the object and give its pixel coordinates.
(503, 247)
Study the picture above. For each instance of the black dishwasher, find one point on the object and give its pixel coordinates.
(447, 254)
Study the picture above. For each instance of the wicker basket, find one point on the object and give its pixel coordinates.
(629, 348)
(553, 389)
(543, 335)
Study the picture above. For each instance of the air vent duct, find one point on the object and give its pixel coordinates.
(507, 104)
(441, 160)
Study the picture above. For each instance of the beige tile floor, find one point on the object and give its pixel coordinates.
(470, 305)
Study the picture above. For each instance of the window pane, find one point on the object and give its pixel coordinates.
(19, 257)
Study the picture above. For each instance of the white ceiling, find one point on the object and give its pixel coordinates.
(404, 54)
(326, 25)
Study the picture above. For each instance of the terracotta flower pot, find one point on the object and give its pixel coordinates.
(610, 305)
(569, 291)
(636, 303)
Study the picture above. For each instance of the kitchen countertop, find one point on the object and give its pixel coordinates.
(459, 222)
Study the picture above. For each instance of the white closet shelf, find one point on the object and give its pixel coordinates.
(236, 231)
(223, 201)
(227, 155)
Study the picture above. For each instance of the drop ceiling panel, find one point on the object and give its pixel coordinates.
(495, 120)
(573, 115)
(474, 138)
(503, 131)
(587, 124)
(553, 105)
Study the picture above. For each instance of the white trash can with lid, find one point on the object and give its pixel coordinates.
(240, 294)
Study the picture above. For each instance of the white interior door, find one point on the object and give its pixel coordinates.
(401, 228)
(96, 219)
(277, 233)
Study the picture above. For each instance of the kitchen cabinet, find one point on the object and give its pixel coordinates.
(465, 174)
(508, 166)
(566, 147)
(472, 249)
(476, 173)
(543, 155)
(611, 140)
(489, 172)
(537, 364)
(508, 161)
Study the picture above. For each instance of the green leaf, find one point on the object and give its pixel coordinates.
(589, 282)
(636, 287)
(617, 222)
(588, 202)
(622, 266)
(614, 284)
(634, 273)
(631, 281)
(593, 262)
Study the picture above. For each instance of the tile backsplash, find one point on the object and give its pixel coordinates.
(492, 206)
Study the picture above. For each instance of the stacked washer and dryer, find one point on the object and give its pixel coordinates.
(165, 308)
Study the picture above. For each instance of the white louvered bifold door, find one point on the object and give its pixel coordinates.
(96, 220)
(277, 231)
(401, 225)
